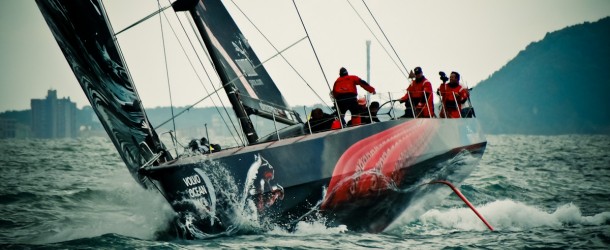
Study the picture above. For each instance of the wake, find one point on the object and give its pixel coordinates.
(506, 215)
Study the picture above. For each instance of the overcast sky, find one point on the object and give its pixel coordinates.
(474, 37)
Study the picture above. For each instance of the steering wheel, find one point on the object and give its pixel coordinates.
(390, 114)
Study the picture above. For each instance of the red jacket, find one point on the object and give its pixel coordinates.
(347, 85)
(416, 91)
(452, 98)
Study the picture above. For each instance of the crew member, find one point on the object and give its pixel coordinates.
(444, 80)
(200, 146)
(453, 95)
(362, 110)
(203, 146)
(419, 99)
(319, 121)
(374, 108)
(345, 93)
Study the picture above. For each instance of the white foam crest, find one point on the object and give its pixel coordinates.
(244, 212)
(133, 212)
(317, 227)
(305, 228)
(510, 215)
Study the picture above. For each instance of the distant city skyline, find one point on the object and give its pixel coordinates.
(474, 37)
(53, 117)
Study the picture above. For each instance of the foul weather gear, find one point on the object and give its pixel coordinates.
(345, 93)
(452, 96)
(419, 99)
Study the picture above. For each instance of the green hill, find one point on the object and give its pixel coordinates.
(559, 85)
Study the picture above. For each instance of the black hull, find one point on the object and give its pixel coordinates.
(363, 177)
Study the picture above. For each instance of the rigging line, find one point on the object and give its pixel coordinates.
(188, 108)
(384, 35)
(263, 62)
(135, 90)
(376, 38)
(169, 88)
(229, 82)
(198, 77)
(276, 50)
(240, 135)
(209, 79)
(311, 44)
(208, 76)
(143, 19)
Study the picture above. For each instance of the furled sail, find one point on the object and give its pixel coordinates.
(236, 62)
(86, 38)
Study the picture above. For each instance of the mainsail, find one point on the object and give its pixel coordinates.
(87, 40)
(236, 63)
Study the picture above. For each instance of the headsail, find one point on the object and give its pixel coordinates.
(86, 38)
(236, 62)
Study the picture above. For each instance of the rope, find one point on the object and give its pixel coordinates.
(188, 108)
(167, 70)
(229, 82)
(135, 90)
(276, 50)
(160, 10)
(198, 77)
(312, 47)
(376, 38)
(384, 35)
(239, 134)
(143, 19)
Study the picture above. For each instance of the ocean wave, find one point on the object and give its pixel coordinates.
(509, 215)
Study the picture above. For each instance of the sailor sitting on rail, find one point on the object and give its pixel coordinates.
(201, 146)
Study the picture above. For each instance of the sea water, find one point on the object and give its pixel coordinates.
(536, 191)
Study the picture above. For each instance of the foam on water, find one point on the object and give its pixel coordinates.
(508, 215)
(427, 195)
(304, 228)
(122, 207)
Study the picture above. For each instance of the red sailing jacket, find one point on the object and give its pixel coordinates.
(450, 96)
(347, 85)
(416, 91)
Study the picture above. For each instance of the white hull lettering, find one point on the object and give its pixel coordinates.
(197, 191)
(191, 180)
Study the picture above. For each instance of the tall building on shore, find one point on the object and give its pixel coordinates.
(7, 128)
(52, 117)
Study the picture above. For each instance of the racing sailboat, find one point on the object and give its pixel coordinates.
(363, 176)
